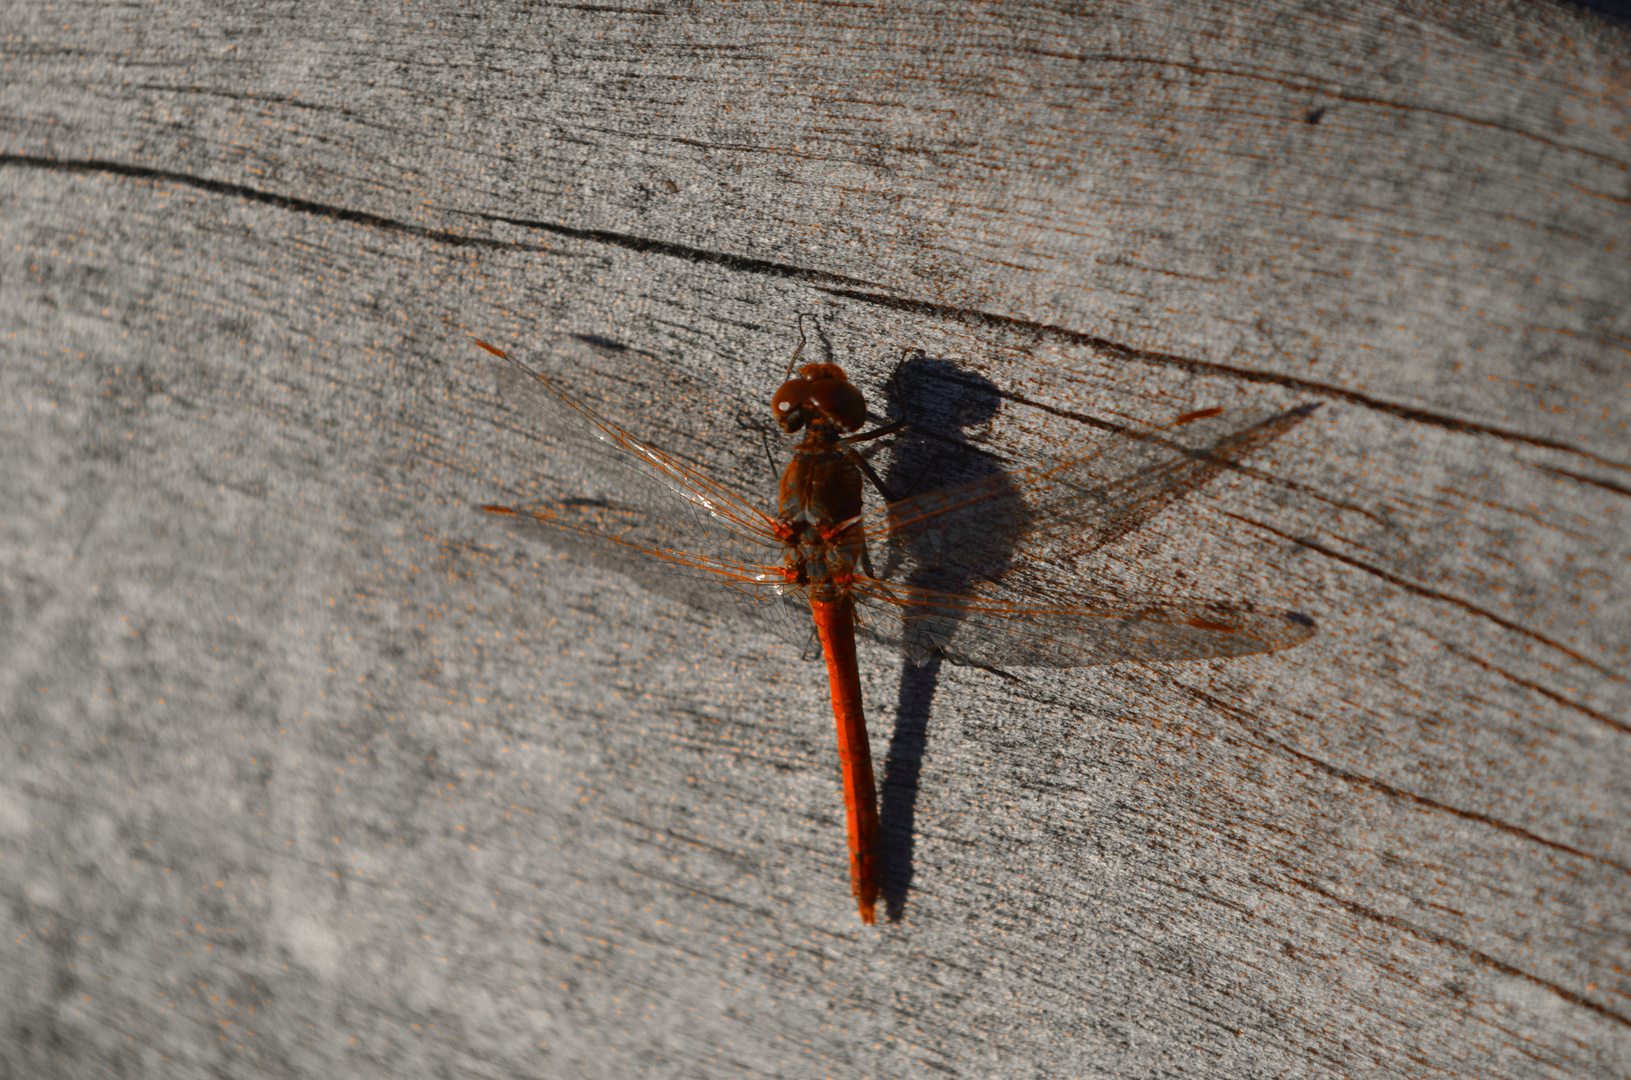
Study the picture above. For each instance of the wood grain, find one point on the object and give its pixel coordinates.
(309, 769)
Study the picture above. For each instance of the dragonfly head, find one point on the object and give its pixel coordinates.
(821, 392)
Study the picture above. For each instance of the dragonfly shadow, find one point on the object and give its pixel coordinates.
(941, 402)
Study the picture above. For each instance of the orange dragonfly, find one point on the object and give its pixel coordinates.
(968, 572)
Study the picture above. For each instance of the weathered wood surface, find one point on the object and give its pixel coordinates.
(310, 770)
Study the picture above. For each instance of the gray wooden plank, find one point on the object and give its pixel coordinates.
(311, 770)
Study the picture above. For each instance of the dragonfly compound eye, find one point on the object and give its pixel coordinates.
(822, 391)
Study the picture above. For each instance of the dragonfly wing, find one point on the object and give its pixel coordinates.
(973, 571)
(649, 513)
(588, 530)
(584, 451)
(977, 531)
(925, 622)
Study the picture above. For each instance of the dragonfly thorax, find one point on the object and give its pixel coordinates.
(820, 490)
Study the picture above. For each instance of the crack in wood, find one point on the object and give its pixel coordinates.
(1529, 684)
(965, 316)
(1445, 941)
(1333, 90)
(1238, 715)
(1434, 594)
(250, 194)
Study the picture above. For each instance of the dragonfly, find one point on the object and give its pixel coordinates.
(978, 572)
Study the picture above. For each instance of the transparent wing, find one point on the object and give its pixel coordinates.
(926, 622)
(657, 517)
(976, 571)
(979, 571)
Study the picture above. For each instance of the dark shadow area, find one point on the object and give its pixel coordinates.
(1613, 11)
(940, 402)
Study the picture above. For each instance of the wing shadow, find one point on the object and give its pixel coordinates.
(941, 401)
(1100, 497)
